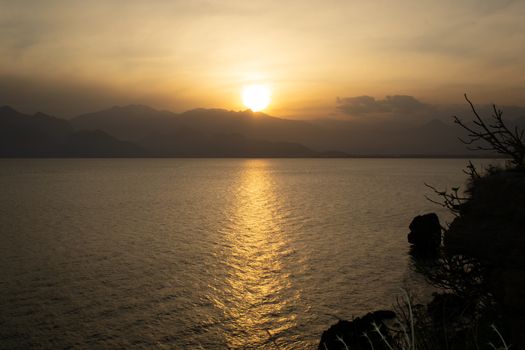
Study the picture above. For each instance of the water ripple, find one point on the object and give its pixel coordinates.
(176, 254)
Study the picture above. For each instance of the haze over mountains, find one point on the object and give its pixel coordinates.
(137, 130)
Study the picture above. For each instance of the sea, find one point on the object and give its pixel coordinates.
(206, 253)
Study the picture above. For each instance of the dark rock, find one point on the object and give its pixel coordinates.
(352, 333)
(425, 232)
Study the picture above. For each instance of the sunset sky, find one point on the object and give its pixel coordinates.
(71, 57)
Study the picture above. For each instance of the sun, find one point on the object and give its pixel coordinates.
(256, 97)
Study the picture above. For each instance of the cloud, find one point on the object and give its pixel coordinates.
(368, 105)
(408, 109)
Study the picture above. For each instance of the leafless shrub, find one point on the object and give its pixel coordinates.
(494, 135)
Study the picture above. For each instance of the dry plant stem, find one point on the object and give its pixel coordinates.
(505, 346)
(343, 342)
(369, 341)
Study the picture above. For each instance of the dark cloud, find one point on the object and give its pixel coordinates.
(408, 109)
(368, 105)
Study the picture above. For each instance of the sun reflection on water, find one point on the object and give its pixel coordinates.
(257, 287)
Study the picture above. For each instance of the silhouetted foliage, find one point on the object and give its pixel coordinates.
(478, 268)
(358, 334)
(460, 274)
(480, 259)
(482, 256)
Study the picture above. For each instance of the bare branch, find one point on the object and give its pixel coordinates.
(498, 137)
(450, 200)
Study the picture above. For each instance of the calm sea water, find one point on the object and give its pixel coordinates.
(213, 254)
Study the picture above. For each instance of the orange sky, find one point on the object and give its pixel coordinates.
(69, 57)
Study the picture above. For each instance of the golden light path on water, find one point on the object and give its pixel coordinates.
(257, 288)
(203, 253)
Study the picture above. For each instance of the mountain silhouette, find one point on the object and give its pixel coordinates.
(139, 123)
(206, 132)
(129, 123)
(138, 130)
(154, 133)
(97, 143)
(41, 135)
(31, 135)
(135, 123)
(188, 142)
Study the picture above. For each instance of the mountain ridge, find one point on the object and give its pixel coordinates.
(220, 132)
(41, 135)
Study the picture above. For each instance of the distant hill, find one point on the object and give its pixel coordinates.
(41, 135)
(31, 135)
(520, 122)
(154, 133)
(138, 130)
(96, 143)
(139, 124)
(187, 142)
(129, 123)
(206, 132)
